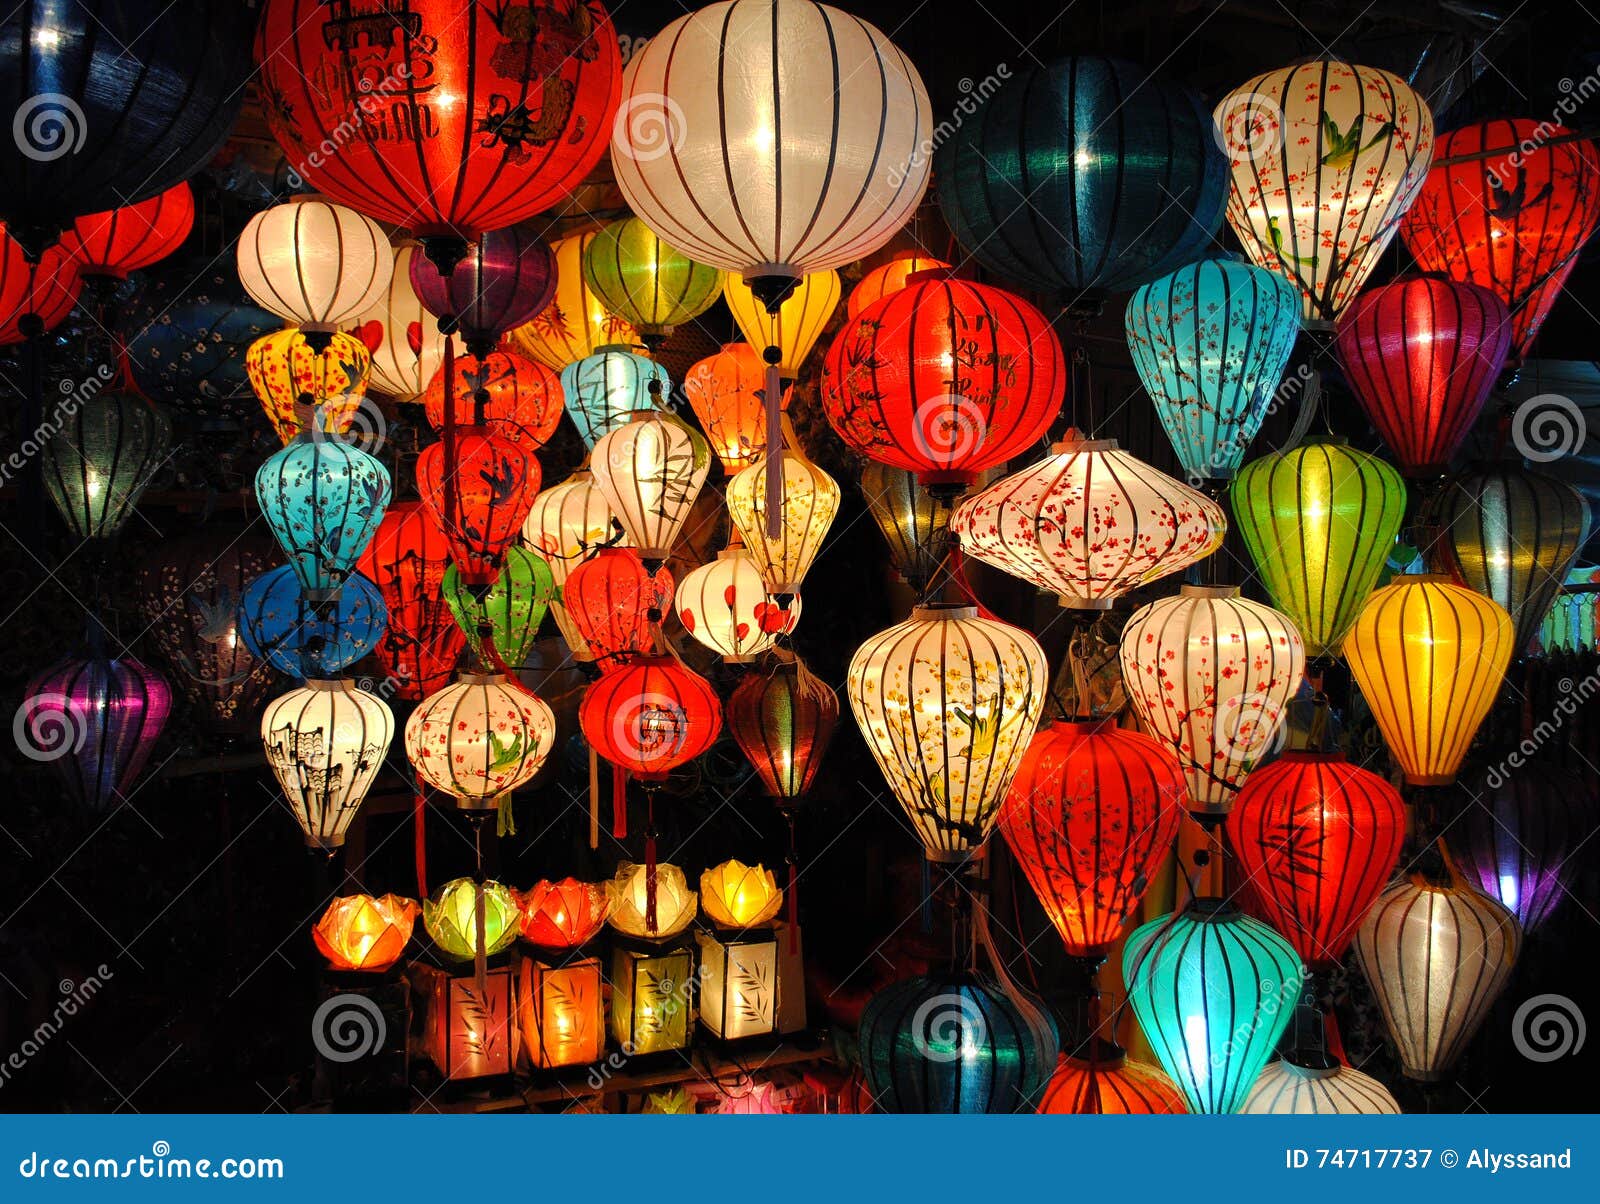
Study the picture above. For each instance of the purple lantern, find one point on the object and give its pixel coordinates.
(96, 718)
(506, 279)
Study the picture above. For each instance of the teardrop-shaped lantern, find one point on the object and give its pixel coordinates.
(1090, 816)
(1113, 1085)
(410, 347)
(603, 390)
(509, 611)
(1320, 521)
(947, 702)
(1210, 341)
(1210, 675)
(315, 264)
(575, 323)
(1213, 990)
(1422, 354)
(610, 598)
(284, 367)
(650, 471)
(100, 460)
(914, 523)
(726, 606)
(505, 279)
(567, 524)
(1089, 524)
(406, 560)
(109, 245)
(1326, 157)
(1317, 838)
(522, 399)
(650, 285)
(1437, 955)
(798, 324)
(304, 639)
(782, 721)
(480, 738)
(728, 393)
(326, 742)
(1287, 1089)
(889, 277)
(479, 496)
(1507, 206)
(1429, 656)
(809, 501)
(650, 716)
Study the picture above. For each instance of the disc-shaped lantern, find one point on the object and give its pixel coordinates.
(650, 471)
(478, 487)
(1085, 173)
(409, 346)
(889, 277)
(285, 368)
(1319, 521)
(1210, 675)
(1422, 354)
(1507, 207)
(1326, 157)
(914, 523)
(603, 390)
(575, 323)
(521, 398)
(505, 279)
(34, 297)
(503, 621)
(1429, 656)
(1288, 1089)
(796, 326)
(406, 560)
(1090, 816)
(1089, 524)
(318, 265)
(945, 377)
(726, 606)
(1113, 1085)
(325, 743)
(480, 738)
(614, 602)
(1213, 990)
(304, 639)
(645, 282)
(1317, 839)
(807, 505)
(100, 460)
(109, 245)
(650, 716)
(1210, 342)
(782, 721)
(1437, 954)
(947, 702)
(728, 393)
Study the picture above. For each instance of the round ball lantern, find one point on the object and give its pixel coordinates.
(782, 722)
(1326, 158)
(1288, 1089)
(575, 323)
(913, 522)
(1317, 839)
(604, 390)
(726, 606)
(1422, 354)
(645, 282)
(478, 487)
(1085, 173)
(406, 560)
(1213, 991)
(472, 116)
(808, 504)
(650, 471)
(945, 377)
(360, 932)
(1210, 675)
(1089, 524)
(728, 393)
(479, 739)
(797, 323)
(503, 621)
(325, 742)
(610, 600)
(1319, 521)
(1090, 816)
(650, 716)
(522, 399)
(408, 347)
(317, 265)
(1429, 656)
(1437, 955)
(100, 460)
(284, 368)
(951, 1043)
(304, 639)
(108, 245)
(889, 277)
(1507, 208)
(44, 292)
(1210, 341)
(1109, 1086)
(947, 702)
(563, 915)
(505, 279)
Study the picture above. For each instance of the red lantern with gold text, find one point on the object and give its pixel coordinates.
(610, 599)
(1317, 839)
(522, 399)
(478, 486)
(406, 560)
(107, 246)
(650, 716)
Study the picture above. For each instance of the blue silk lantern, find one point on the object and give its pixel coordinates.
(323, 500)
(1210, 342)
(1084, 174)
(1213, 991)
(304, 639)
(604, 388)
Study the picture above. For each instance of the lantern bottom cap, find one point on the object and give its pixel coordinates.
(1430, 779)
(1423, 1076)
(325, 842)
(478, 803)
(952, 856)
(1068, 602)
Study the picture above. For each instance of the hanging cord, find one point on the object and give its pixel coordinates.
(479, 909)
(447, 327)
(419, 817)
(792, 890)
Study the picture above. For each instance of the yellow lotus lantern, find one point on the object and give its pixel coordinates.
(736, 895)
(628, 893)
(739, 969)
(651, 972)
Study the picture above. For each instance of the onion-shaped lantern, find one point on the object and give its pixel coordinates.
(1320, 521)
(406, 560)
(947, 702)
(1213, 990)
(728, 393)
(1286, 1088)
(284, 367)
(1317, 839)
(564, 914)
(360, 932)
(1210, 675)
(951, 1043)
(1326, 157)
(522, 399)
(567, 524)
(305, 639)
(650, 716)
(109, 245)
(889, 277)
(1109, 1086)
(503, 621)
(1085, 173)
(782, 721)
(479, 739)
(614, 602)
(505, 279)
(451, 918)
(1422, 354)
(1210, 342)
(317, 265)
(479, 492)
(1089, 524)
(409, 347)
(1507, 207)
(945, 377)
(325, 743)
(1429, 656)
(602, 391)
(1437, 954)
(101, 459)
(575, 324)
(1090, 816)
(913, 522)
(645, 282)
(796, 326)
(34, 296)
(808, 503)
(650, 471)
(727, 606)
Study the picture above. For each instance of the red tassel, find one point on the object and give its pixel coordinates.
(419, 817)
(450, 520)
(650, 885)
(619, 802)
(1330, 1030)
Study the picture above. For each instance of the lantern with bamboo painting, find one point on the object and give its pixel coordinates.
(284, 368)
(470, 1030)
(650, 471)
(479, 739)
(407, 344)
(521, 397)
(478, 487)
(325, 742)
(406, 560)
(304, 639)
(913, 522)
(728, 394)
(569, 523)
(645, 282)
(784, 544)
(560, 992)
(101, 459)
(1109, 1084)
(110, 244)
(614, 603)
(604, 389)
(365, 933)
(576, 323)
(738, 952)
(652, 966)
(782, 721)
(503, 621)
(1210, 675)
(1287, 1088)
(315, 264)
(505, 278)
(889, 277)
(1429, 656)
(726, 606)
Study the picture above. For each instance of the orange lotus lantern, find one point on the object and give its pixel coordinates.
(562, 915)
(361, 932)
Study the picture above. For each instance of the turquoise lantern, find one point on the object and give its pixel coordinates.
(1210, 342)
(604, 388)
(323, 499)
(1213, 991)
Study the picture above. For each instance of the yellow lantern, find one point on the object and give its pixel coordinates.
(480, 738)
(314, 263)
(739, 971)
(736, 895)
(575, 323)
(650, 471)
(798, 324)
(360, 932)
(1429, 656)
(726, 606)
(728, 394)
(809, 501)
(283, 367)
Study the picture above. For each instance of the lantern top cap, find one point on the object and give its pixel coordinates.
(608, 348)
(1208, 910)
(1425, 579)
(1309, 1072)
(329, 685)
(1083, 723)
(1073, 446)
(1208, 591)
(934, 612)
(469, 678)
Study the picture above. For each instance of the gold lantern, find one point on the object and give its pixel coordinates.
(913, 522)
(808, 502)
(283, 368)
(739, 954)
(650, 471)
(798, 324)
(575, 323)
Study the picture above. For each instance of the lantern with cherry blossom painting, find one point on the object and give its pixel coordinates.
(521, 398)
(406, 560)
(478, 487)
(284, 367)
(479, 739)
(560, 991)
(726, 606)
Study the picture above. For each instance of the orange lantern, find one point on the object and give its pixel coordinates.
(560, 1000)
(562, 915)
(728, 393)
(360, 932)
(522, 400)
(1110, 1085)
(888, 278)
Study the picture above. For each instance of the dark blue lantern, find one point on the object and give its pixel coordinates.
(304, 639)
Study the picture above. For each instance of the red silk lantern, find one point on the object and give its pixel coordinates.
(782, 722)
(469, 116)
(523, 400)
(1511, 219)
(1089, 817)
(1109, 1086)
(945, 378)
(109, 245)
(47, 290)
(888, 278)
(1317, 838)
(609, 598)
(650, 716)
(1422, 355)
(478, 491)
(406, 560)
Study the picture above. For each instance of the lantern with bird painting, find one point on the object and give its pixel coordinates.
(479, 739)
(522, 399)
(478, 487)
(406, 560)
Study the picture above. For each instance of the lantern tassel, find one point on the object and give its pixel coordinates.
(650, 866)
(619, 802)
(792, 890)
(450, 465)
(772, 396)
(594, 799)
(480, 956)
(1330, 1034)
(419, 827)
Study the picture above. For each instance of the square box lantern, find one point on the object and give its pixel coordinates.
(468, 1034)
(561, 1011)
(359, 1030)
(738, 982)
(652, 994)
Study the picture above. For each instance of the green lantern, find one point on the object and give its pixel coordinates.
(1213, 991)
(101, 458)
(1320, 521)
(643, 281)
(450, 918)
(511, 610)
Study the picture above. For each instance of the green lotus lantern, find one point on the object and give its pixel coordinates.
(509, 612)
(450, 918)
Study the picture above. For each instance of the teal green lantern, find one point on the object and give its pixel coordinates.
(1210, 341)
(1213, 991)
(509, 611)
(602, 389)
